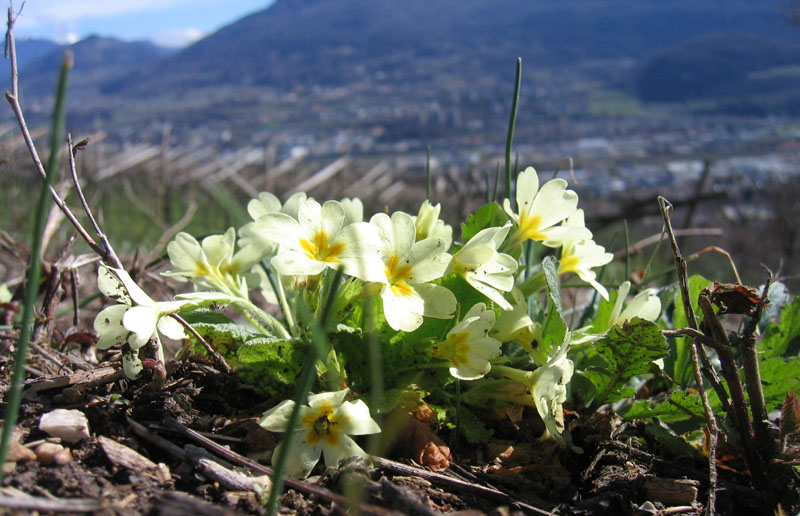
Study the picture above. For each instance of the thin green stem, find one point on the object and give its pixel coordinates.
(277, 287)
(428, 175)
(316, 351)
(516, 375)
(34, 270)
(496, 181)
(511, 123)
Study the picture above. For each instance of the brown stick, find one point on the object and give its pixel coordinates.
(292, 483)
(13, 99)
(219, 361)
(711, 422)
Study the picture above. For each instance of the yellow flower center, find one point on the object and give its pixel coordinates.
(569, 262)
(397, 276)
(529, 227)
(319, 249)
(322, 424)
(455, 348)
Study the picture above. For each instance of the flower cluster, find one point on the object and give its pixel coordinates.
(436, 303)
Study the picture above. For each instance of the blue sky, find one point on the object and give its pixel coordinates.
(166, 22)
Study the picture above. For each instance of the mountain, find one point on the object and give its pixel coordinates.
(97, 61)
(28, 49)
(330, 42)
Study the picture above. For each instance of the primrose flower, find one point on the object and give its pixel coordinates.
(468, 347)
(324, 428)
(645, 305)
(581, 255)
(409, 266)
(211, 264)
(549, 389)
(515, 325)
(486, 270)
(319, 239)
(541, 210)
(429, 224)
(134, 321)
(547, 384)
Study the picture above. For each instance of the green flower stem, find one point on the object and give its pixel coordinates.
(533, 284)
(257, 316)
(316, 351)
(32, 287)
(277, 287)
(517, 375)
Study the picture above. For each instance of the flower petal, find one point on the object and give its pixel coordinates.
(141, 320)
(265, 203)
(554, 202)
(302, 456)
(294, 263)
(171, 328)
(356, 419)
(276, 419)
(439, 302)
(334, 398)
(108, 324)
(527, 188)
(111, 286)
(403, 312)
(345, 449)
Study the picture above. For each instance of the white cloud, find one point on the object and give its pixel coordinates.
(52, 10)
(176, 37)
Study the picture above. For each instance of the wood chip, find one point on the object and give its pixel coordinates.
(672, 491)
(128, 458)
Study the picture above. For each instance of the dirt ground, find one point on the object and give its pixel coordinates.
(194, 447)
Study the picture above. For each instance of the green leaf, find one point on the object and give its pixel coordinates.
(269, 364)
(783, 338)
(488, 216)
(681, 365)
(550, 268)
(224, 337)
(627, 351)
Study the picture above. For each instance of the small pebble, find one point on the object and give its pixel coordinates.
(62, 457)
(70, 425)
(46, 452)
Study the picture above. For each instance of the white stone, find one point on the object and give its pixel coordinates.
(70, 425)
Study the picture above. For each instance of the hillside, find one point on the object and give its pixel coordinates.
(741, 68)
(333, 42)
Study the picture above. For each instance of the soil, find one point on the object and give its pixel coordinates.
(183, 448)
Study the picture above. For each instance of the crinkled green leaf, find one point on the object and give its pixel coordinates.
(488, 216)
(777, 378)
(472, 428)
(678, 406)
(270, 364)
(783, 338)
(680, 364)
(626, 351)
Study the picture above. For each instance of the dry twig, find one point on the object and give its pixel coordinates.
(711, 423)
